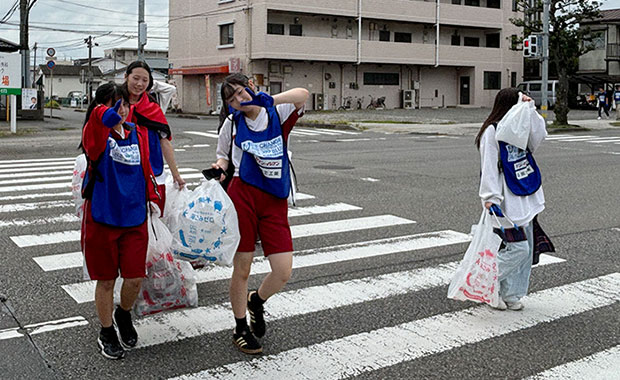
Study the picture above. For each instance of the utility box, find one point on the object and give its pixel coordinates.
(317, 102)
(406, 100)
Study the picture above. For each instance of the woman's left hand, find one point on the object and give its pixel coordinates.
(525, 98)
(177, 178)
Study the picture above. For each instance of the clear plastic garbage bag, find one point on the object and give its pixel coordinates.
(515, 126)
(79, 171)
(477, 276)
(207, 229)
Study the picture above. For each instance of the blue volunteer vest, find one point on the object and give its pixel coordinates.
(156, 157)
(119, 193)
(264, 163)
(602, 98)
(521, 173)
(617, 96)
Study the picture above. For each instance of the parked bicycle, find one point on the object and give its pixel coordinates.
(346, 103)
(376, 103)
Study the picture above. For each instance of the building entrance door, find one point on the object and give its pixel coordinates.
(464, 89)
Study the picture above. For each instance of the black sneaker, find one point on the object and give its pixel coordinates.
(127, 333)
(246, 342)
(257, 319)
(109, 345)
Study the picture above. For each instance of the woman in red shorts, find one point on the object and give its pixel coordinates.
(117, 187)
(261, 183)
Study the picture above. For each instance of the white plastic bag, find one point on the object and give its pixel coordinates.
(207, 229)
(79, 171)
(515, 126)
(169, 283)
(477, 276)
(176, 201)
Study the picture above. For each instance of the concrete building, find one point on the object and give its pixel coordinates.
(66, 79)
(436, 53)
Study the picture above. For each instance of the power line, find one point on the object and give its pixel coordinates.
(10, 12)
(104, 9)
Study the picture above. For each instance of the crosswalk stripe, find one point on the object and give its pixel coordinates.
(318, 131)
(314, 210)
(60, 261)
(369, 351)
(24, 170)
(302, 133)
(602, 365)
(612, 140)
(84, 291)
(34, 196)
(303, 196)
(43, 186)
(298, 231)
(38, 328)
(188, 323)
(37, 180)
(57, 159)
(35, 174)
(17, 207)
(203, 134)
(63, 218)
(36, 164)
(568, 138)
(340, 131)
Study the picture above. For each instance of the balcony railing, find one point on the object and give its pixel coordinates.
(613, 52)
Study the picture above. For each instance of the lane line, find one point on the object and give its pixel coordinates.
(326, 209)
(44, 186)
(18, 207)
(40, 165)
(203, 134)
(84, 291)
(189, 323)
(64, 218)
(38, 328)
(29, 172)
(34, 196)
(369, 351)
(38, 160)
(601, 365)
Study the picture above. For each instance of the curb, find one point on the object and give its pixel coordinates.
(339, 126)
(192, 116)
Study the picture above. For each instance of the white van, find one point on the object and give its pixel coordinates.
(533, 89)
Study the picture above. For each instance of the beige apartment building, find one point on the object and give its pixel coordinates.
(415, 53)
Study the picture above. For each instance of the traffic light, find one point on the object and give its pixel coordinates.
(526, 48)
(533, 39)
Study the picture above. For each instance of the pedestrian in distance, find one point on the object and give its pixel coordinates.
(510, 186)
(118, 186)
(146, 112)
(617, 102)
(601, 98)
(259, 189)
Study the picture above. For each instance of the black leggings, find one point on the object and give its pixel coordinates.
(604, 108)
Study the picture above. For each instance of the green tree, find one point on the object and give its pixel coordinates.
(568, 39)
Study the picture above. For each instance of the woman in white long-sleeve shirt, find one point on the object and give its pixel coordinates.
(515, 258)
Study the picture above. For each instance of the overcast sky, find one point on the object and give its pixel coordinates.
(113, 23)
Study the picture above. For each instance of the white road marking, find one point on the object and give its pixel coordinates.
(326, 209)
(38, 328)
(60, 261)
(23, 170)
(203, 134)
(36, 180)
(303, 196)
(369, 179)
(302, 133)
(22, 174)
(318, 131)
(17, 207)
(604, 365)
(362, 139)
(342, 132)
(36, 164)
(298, 231)
(188, 323)
(34, 196)
(364, 352)
(43, 186)
(64, 218)
(614, 140)
(58, 159)
(83, 292)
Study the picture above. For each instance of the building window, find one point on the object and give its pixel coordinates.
(294, 29)
(515, 5)
(402, 37)
(598, 40)
(473, 3)
(275, 28)
(471, 41)
(492, 80)
(513, 79)
(455, 40)
(493, 40)
(456, 2)
(493, 4)
(384, 35)
(385, 79)
(227, 34)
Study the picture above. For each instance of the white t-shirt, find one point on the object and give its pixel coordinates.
(258, 125)
(520, 209)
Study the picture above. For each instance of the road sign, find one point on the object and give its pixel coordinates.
(51, 64)
(51, 52)
(10, 72)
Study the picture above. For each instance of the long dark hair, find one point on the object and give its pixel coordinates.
(228, 90)
(143, 65)
(105, 93)
(504, 100)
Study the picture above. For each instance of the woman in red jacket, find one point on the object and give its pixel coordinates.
(146, 112)
(117, 187)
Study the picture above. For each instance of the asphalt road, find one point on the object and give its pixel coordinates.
(381, 314)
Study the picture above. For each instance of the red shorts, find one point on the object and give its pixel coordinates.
(108, 249)
(263, 214)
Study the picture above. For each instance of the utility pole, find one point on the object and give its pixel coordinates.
(141, 30)
(545, 59)
(34, 68)
(89, 75)
(23, 41)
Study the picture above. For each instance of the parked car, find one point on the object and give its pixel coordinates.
(77, 95)
(534, 90)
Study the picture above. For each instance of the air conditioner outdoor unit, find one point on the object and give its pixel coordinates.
(407, 100)
(317, 102)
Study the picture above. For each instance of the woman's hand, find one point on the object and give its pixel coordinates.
(525, 98)
(180, 181)
(488, 205)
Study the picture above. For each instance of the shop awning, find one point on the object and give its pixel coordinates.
(199, 70)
